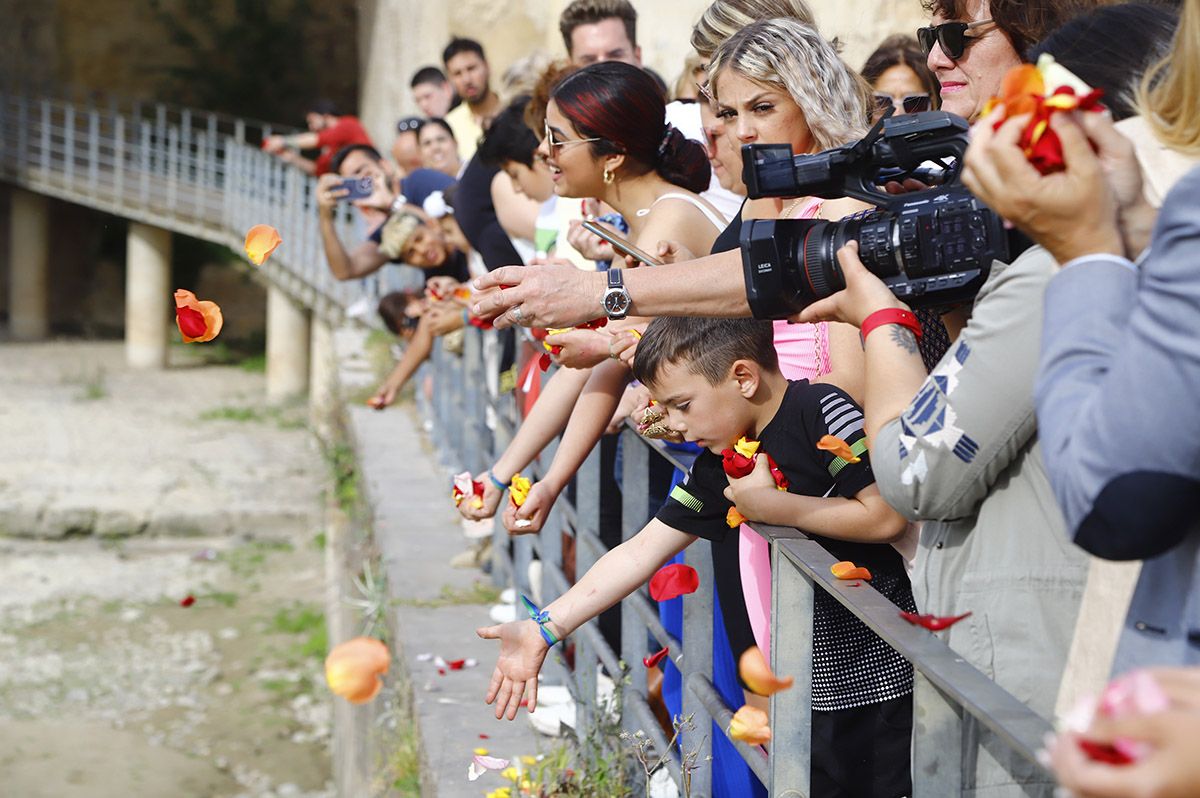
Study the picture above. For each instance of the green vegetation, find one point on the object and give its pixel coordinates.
(344, 469)
(284, 417)
(306, 621)
(246, 560)
(478, 593)
(91, 382)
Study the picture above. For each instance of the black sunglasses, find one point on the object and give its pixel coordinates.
(952, 36)
(908, 104)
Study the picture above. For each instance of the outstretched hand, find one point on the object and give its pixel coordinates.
(534, 509)
(491, 500)
(551, 295)
(514, 681)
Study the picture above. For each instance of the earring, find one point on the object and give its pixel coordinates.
(608, 177)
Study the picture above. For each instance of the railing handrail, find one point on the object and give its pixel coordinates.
(183, 170)
(947, 688)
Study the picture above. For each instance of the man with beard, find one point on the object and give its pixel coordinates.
(467, 68)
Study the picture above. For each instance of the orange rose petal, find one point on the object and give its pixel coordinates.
(191, 314)
(757, 674)
(848, 570)
(353, 669)
(1019, 81)
(750, 725)
(838, 447)
(261, 241)
(734, 518)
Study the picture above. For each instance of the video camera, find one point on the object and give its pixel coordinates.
(933, 247)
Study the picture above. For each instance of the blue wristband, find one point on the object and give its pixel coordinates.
(500, 486)
(541, 618)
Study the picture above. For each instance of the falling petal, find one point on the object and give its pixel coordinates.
(187, 601)
(750, 725)
(847, 570)
(544, 361)
(836, 446)
(529, 761)
(481, 752)
(1105, 752)
(457, 664)
(198, 321)
(734, 518)
(757, 674)
(655, 658)
(672, 581)
(353, 669)
(934, 623)
(481, 763)
(483, 736)
(261, 241)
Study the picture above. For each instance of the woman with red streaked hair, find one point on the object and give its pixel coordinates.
(606, 136)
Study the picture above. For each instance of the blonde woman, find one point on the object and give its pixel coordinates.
(1119, 360)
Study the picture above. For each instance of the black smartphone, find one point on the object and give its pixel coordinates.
(357, 188)
(620, 244)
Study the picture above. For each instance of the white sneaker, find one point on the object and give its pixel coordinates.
(508, 596)
(477, 530)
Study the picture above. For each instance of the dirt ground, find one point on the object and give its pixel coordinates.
(109, 686)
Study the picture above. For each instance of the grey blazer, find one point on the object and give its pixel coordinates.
(1118, 407)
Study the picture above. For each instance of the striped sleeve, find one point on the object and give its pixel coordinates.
(838, 415)
(698, 505)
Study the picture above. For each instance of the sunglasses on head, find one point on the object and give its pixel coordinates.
(951, 36)
(908, 104)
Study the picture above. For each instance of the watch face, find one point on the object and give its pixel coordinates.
(616, 302)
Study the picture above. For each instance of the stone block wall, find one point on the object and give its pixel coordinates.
(397, 37)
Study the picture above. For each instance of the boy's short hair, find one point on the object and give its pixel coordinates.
(708, 347)
(459, 45)
(429, 74)
(590, 12)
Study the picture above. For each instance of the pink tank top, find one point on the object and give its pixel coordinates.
(803, 349)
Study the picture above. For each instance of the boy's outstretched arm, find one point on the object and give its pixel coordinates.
(612, 578)
(865, 517)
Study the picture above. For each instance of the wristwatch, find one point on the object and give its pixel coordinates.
(616, 300)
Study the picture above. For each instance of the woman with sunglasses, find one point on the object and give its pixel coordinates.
(899, 77)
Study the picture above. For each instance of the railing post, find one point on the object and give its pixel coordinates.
(119, 159)
(698, 659)
(145, 165)
(69, 145)
(791, 654)
(44, 140)
(587, 525)
(93, 152)
(170, 173)
(635, 497)
(938, 730)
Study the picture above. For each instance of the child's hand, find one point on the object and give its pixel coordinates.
(581, 349)
(385, 396)
(491, 500)
(635, 398)
(624, 346)
(522, 651)
(536, 507)
(749, 492)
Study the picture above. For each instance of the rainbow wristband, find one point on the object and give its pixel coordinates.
(500, 486)
(541, 618)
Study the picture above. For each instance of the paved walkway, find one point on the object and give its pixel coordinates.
(418, 532)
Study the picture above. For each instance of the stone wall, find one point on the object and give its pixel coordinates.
(396, 37)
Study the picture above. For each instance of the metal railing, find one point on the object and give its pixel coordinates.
(473, 425)
(193, 172)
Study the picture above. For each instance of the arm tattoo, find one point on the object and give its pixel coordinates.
(904, 338)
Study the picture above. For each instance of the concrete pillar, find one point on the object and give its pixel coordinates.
(287, 347)
(29, 262)
(322, 377)
(148, 296)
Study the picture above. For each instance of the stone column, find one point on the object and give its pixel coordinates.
(29, 262)
(322, 377)
(148, 296)
(287, 347)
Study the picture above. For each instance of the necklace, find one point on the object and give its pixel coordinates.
(787, 212)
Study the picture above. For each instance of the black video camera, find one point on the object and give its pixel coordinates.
(933, 247)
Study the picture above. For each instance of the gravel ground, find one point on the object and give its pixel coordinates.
(108, 685)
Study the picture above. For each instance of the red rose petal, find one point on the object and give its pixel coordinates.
(934, 623)
(544, 361)
(672, 581)
(457, 664)
(655, 658)
(187, 601)
(736, 465)
(1104, 752)
(191, 322)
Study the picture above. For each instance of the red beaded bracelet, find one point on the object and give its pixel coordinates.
(905, 318)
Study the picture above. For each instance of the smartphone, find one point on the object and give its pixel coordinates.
(620, 244)
(357, 188)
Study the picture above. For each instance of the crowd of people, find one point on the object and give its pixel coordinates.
(993, 453)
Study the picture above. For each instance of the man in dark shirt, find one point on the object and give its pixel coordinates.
(718, 380)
